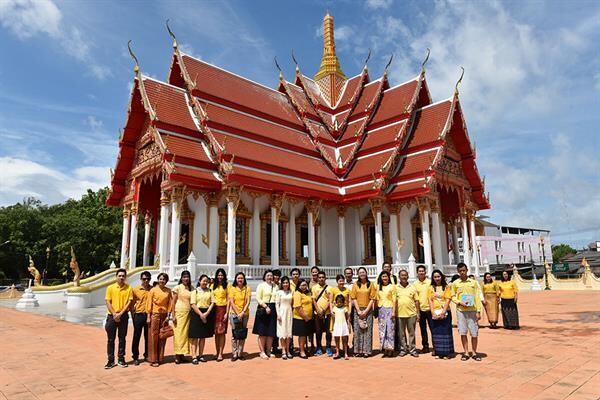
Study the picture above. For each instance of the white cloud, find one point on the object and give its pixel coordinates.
(22, 178)
(379, 4)
(94, 123)
(29, 18)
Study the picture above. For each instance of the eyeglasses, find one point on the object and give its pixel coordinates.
(120, 276)
(145, 279)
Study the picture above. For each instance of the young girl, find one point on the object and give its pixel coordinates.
(340, 326)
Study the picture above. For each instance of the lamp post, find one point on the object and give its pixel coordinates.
(544, 260)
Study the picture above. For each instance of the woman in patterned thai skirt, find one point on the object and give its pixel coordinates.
(386, 300)
(439, 296)
(509, 293)
(363, 297)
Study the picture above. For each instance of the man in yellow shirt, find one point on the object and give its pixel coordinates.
(139, 317)
(466, 296)
(407, 313)
(422, 285)
(320, 295)
(118, 301)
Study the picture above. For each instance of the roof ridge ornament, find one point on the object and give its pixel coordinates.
(385, 70)
(425, 61)
(459, 81)
(172, 34)
(136, 68)
(366, 68)
(295, 62)
(279, 68)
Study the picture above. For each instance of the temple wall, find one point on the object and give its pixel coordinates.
(329, 237)
(406, 214)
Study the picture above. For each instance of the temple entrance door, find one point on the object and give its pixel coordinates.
(184, 243)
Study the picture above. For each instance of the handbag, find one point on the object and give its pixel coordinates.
(261, 312)
(239, 332)
(166, 331)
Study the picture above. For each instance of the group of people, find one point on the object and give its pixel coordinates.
(306, 309)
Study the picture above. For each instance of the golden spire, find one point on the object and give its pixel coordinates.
(330, 65)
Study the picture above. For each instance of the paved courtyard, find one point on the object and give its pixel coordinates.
(556, 355)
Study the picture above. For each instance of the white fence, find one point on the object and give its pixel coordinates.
(255, 272)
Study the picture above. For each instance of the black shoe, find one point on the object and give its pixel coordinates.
(136, 362)
(109, 365)
(122, 364)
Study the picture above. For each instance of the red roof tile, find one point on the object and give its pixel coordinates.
(170, 104)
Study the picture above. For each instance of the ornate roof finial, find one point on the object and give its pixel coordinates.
(136, 69)
(279, 68)
(172, 35)
(295, 61)
(388, 64)
(425, 61)
(330, 65)
(366, 68)
(459, 81)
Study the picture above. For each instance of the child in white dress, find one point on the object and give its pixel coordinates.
(340, 327)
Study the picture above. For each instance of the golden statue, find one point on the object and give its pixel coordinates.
(37, 277)
(74, 265)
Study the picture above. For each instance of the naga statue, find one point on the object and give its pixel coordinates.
(74, 265)
(37, 277)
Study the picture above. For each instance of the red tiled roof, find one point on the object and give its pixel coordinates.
(287, 140)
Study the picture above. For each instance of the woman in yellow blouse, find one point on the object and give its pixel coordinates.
(302, 324)
(386, 301)
(363, 297)
(509, 293)
(239, 302)
(158, 305)
(181, 316)
(265, 321)
(221, 294)
(491, 294)
(439, 295)
(202, 320)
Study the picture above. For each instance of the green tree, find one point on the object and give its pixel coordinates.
(88, 225)
(561, 251)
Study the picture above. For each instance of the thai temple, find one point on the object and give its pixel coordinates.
(326, 169)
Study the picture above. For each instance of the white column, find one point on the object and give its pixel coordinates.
(455, 242)
(125, 237)
(378, 240)
(426, 240)
(175, 232)
(231, 206)
(147, 226)
(133, 234)
(437, 240)
(163, 230)
(394, 229)
(465, 242)
(312, 258)
(274, 238)
(342, 234)
(292, 229)
(256, 232)
(474, 247)
(214, 232)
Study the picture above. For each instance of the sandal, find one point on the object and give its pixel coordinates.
(477, 357)
(202, 359)
(154, 364)
(464, 357)
(195, 360)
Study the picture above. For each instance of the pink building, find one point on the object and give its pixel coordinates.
(500, 246)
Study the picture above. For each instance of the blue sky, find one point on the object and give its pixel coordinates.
(530, 94)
